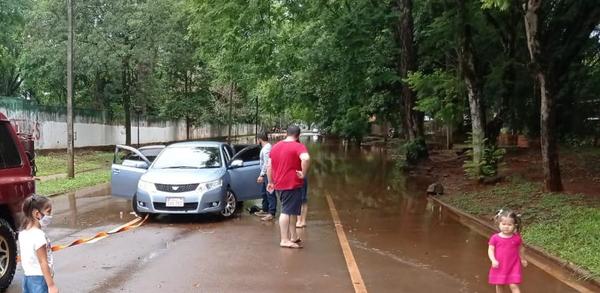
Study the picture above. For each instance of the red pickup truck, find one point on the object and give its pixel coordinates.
(16, 183)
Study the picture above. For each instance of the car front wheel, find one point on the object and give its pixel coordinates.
(8, 254)
(230, 205)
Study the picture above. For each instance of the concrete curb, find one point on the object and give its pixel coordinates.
(572, 275)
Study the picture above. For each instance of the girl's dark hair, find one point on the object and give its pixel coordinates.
(34, 202)
(506, 213)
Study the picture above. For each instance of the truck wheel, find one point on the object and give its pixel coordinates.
(8, 254)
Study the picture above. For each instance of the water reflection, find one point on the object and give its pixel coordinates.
(394, 226)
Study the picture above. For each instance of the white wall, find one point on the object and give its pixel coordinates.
(50, 130)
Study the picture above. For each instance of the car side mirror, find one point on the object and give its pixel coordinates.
(135, 164)
(143, 165)
(236, 164)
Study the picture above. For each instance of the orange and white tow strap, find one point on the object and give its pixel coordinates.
(101, 235)
(127, 226)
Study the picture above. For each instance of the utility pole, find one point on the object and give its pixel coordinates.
(70, 136)
(256, 126)
(139, 111)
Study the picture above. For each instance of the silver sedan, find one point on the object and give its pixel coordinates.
(187, 178)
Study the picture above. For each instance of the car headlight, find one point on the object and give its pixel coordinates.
(207, 186)
(146, 186)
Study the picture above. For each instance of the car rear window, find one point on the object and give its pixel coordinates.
(9, 154)
(151, 153)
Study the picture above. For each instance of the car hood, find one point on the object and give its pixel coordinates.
(182, 176)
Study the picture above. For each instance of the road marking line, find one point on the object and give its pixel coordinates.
(357, 281)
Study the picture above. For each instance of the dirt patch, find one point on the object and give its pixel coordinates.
(580, 170)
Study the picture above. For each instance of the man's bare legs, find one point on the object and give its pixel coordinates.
(302, 219)
(292, 227)
(284, 228)
(287, 227)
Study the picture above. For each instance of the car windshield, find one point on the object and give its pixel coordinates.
(188, 158)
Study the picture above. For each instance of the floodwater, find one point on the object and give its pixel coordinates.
(400, 240)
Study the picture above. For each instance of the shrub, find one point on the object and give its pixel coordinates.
(491, 159)
(415, 151)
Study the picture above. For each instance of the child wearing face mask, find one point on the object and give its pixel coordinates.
(35, 248)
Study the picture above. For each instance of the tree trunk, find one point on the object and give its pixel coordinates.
(505, 29)
(99, 85)
(230, 112)
(413, 119)
(126, 101)
(550, 160)
(449, 139)
(469, 71)
(187, 127)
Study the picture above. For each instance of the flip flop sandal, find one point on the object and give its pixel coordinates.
(301, 226)
(293, 246)
(297, 240)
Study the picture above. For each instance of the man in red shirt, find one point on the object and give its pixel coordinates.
(286, 172)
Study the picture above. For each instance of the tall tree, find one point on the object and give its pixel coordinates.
(556, 34)
(468, 67)
(413, 119)
(12, 22)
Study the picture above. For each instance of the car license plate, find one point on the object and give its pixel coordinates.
(174, 202)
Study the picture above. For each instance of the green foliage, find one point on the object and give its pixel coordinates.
(415, 151)
(301, 60)
(500, 4)
(438, 95)
(353, 125)
(491, 159)
(11, 40)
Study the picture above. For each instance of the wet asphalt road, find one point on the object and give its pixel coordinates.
(401, 242)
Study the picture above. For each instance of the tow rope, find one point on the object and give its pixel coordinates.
(101, 235)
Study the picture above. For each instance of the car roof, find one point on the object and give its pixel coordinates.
(157, 146)
(196, 144)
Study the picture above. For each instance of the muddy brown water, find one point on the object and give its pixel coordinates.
(401, 241)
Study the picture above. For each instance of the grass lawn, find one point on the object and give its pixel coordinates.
(564, 225)
(81, 180)
(56, 163)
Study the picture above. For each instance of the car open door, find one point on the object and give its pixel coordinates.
(244, 169)
(128, 166)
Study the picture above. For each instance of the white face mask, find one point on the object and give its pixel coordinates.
(45, 221)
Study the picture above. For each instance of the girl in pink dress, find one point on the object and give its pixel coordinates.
(506, 252)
